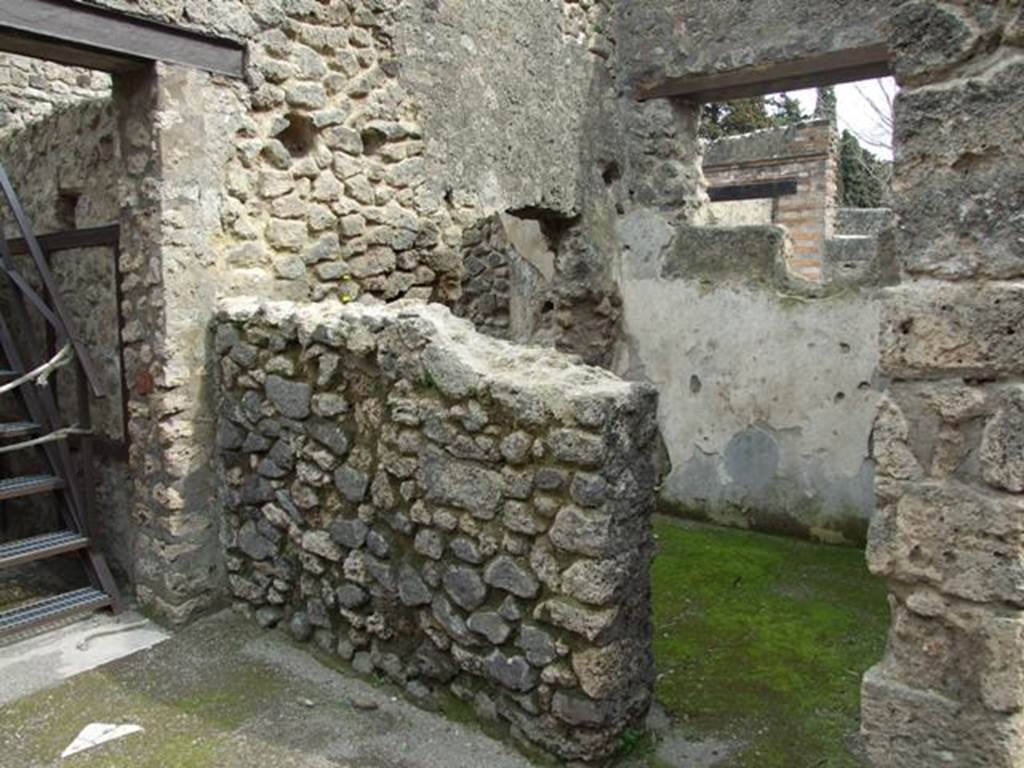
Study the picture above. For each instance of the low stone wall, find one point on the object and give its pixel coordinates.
(446, 508)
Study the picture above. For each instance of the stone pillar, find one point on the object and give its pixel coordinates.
(949, 532)
(172, 126)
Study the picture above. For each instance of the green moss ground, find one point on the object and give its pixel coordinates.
(762, 640)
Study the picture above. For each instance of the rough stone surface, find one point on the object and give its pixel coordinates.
(947, 537)
(418, 540)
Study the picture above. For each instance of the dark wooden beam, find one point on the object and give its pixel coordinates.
(757, 190)
(93, 237)
(80, 34)
(41, 48)
(826, 69)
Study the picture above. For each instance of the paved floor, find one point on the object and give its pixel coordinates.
(42, 661)
(225, 693)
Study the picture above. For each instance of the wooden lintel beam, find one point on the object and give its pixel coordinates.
(81, 34)
(79, 56)
(757, 190)
(826, 69)
(55, 242)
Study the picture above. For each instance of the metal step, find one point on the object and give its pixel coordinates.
(51, 609)
(13, 487)
(41, 547)
(12, 429)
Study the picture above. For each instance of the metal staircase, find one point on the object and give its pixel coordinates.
(38, 434)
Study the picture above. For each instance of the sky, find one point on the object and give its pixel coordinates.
(859, 108)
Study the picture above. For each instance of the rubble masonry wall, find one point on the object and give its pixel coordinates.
(445, 508)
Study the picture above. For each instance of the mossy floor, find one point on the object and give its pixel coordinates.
(223, 693)
(761, 641)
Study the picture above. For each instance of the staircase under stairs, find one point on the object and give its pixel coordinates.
(35, 434)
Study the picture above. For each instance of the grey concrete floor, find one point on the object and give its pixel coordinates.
(45, 659)
(225, 693)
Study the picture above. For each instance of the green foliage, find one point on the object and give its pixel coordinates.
(732, 118)
(634, 741)
(762, 640)
(865, 178)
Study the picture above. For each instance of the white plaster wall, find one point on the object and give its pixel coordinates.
(766, 401)
(737, 213)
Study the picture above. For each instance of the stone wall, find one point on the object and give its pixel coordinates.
(663, 39)
(947, 536)
(453, 511)
(32, 89)
(340, 168)
(806, 153)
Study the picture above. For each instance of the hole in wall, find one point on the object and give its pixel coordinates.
(611, 173)
(67, 208)
(695, 385)
(373, 140)
(299, 137)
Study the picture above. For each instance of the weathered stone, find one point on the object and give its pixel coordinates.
(576, 447)
(596, 582)
(518, 516)
(515, 448)
(300, 627)
(505, 573)
(1002, 444)
(319, 543)
(588, 490)
(952, 330)
(890, 443)
(466, 550)
(908, 726)
(582, 531)
(349, 533)
(609, 671)
(317, 613)
(461, 484)
(350, 596)
(588, 622)
(550, 479)
(450, 620)
(576, 710)
(429, 543)
(951, 139)
(362, 663)
(352, 483)
(537, 645)
(378, 545)
(964, 541)
(253, 544)
(465, 587)
(269, 616)
(291, 398)
(513, 672)
(490, 625)
(332, 436)
(411, 589)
